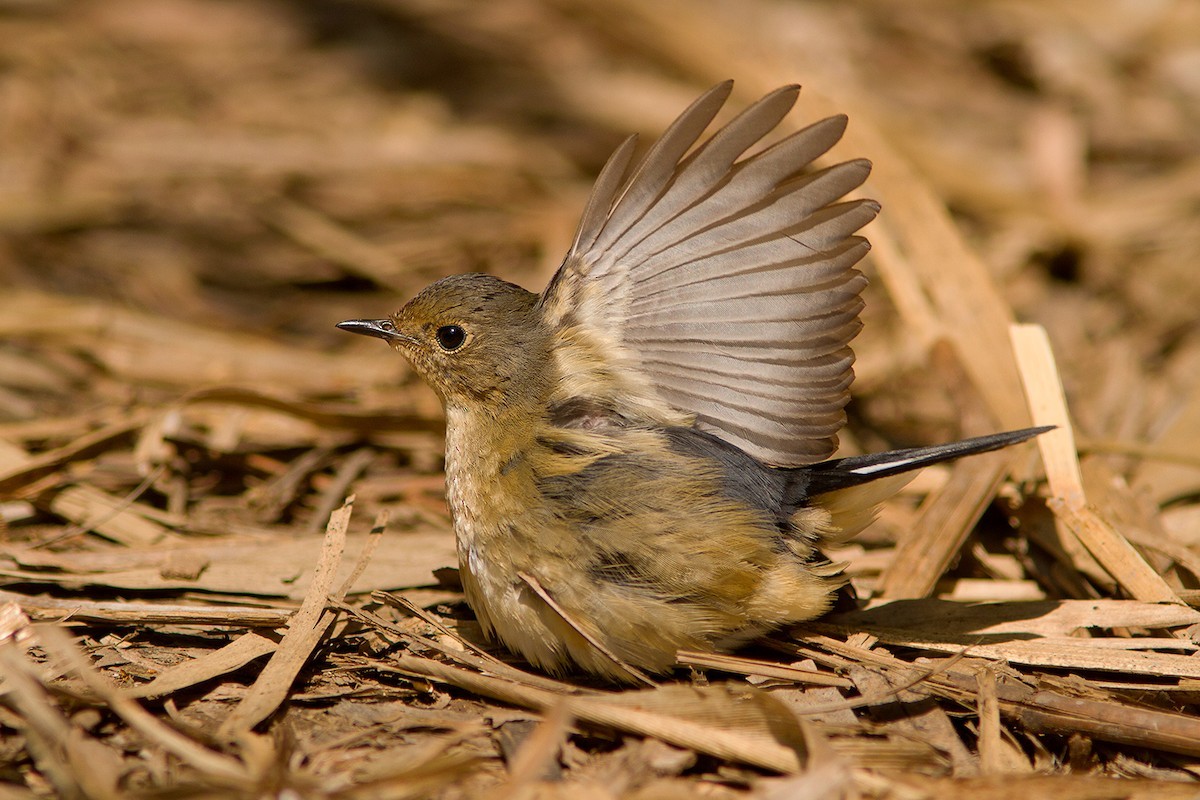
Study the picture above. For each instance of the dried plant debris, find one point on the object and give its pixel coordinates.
(191, 194)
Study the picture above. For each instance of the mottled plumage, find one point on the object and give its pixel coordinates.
(634, 457)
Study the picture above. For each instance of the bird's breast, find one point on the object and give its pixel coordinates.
(466, 478)
(483, 487)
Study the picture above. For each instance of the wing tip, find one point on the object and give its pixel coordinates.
(840, 121)
(723, 89)
(788, 88)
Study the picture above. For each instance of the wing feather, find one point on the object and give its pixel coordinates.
(726, 272)
(595, 213)
(701, 230)
(713, 160)
(657, 167)
(719, 287)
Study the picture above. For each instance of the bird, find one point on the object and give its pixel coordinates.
(638, 458)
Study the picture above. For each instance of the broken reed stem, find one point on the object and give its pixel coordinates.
(1048, 406)
(305, 629)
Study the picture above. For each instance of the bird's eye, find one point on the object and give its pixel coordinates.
(387, 325)
(451, 337)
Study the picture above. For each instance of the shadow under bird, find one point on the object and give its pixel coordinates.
(636, 457)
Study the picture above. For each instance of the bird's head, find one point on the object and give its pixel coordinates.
(478, 341)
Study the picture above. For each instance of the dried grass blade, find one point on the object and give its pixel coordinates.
(304, 631)
(702, 738)
(1049, 407)
(235, 655)
(29, 469)
(45, 728)
(766, 669)
(1111, 721)
(920, 719)
(111, 517)
(537, 753)
(214, 765)
(946, 520)
(128, 613)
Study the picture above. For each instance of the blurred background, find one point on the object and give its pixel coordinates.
(192, 192)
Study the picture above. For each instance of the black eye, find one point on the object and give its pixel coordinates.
(451, 337)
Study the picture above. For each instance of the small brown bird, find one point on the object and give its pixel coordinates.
(635, 457)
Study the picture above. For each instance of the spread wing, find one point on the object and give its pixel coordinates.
(716, 287)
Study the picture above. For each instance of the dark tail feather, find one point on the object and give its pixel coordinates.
(842, 473)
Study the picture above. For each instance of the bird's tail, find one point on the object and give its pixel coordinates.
(851, 488)
(842, 473)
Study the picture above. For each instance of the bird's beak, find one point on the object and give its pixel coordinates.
(379, 328)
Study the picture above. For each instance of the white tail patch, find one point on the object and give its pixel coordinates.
(871, 469)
